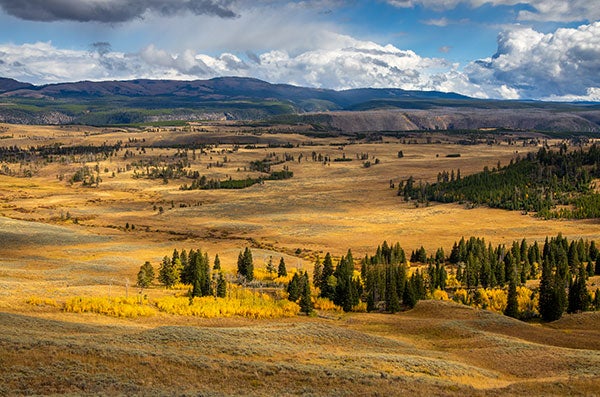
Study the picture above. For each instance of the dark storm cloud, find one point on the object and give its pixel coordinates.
(112, 11)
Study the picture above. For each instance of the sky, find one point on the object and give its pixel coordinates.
(506, 49)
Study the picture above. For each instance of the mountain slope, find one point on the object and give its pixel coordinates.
(7, 85)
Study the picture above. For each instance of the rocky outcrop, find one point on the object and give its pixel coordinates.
(464, 119)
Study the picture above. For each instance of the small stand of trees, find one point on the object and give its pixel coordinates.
(191, 269)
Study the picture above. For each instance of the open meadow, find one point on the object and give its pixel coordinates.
(80, 224)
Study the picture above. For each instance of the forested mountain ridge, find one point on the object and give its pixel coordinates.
(237, 98)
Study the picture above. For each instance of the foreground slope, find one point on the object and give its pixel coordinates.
(439, 348)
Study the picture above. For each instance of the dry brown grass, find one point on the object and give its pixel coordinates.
(437, 349)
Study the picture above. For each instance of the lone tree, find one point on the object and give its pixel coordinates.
(281, 270)
(270, 266)
(146, 275)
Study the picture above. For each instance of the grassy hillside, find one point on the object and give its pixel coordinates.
(436, 349)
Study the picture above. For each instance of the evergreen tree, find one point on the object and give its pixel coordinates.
(196, 290)
(175, 256)
(146, 275)
(327, 283)
(241, 265)
(198, 274)
(249, 264)
(596, 302)
(409, 298)
(205, 279)
(512, 303)
(418, 285)
(579, 299)
(306, 305)
(221, 286)
(281, 270)
(183, 257)
(593, 251)
(177, 268)
(293, 288)
(217, 263)
(270, 268)
(187, 276)
(245, 264)
(317, 273)
(167, 273)
(346, 294)
(549, 304)
(597, 267)
(392, 300)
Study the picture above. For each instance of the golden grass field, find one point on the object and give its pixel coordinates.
(59, 241)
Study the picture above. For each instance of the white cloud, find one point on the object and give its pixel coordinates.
(564, 63)
(592, 95)
(543, 10)
(441, 22)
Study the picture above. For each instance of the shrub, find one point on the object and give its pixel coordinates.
(461, 296)
(239, 302)
(116, 307)
(325, 304)
(440, 295)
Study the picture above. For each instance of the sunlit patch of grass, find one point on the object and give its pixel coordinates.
(40, 301)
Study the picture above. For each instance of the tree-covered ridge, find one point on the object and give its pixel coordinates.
(538, 182)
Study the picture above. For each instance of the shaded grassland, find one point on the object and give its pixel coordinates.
(438, 348)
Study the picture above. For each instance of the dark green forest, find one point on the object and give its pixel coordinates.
(537, 182)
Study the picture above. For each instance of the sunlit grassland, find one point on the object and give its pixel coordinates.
(67, 245)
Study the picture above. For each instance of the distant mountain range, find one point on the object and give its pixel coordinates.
(150, 101)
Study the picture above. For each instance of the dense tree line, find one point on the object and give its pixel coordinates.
(51, 153)
(537, 182)
(382, 281)
(563, 266)
(386, 282)
(203, 183)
